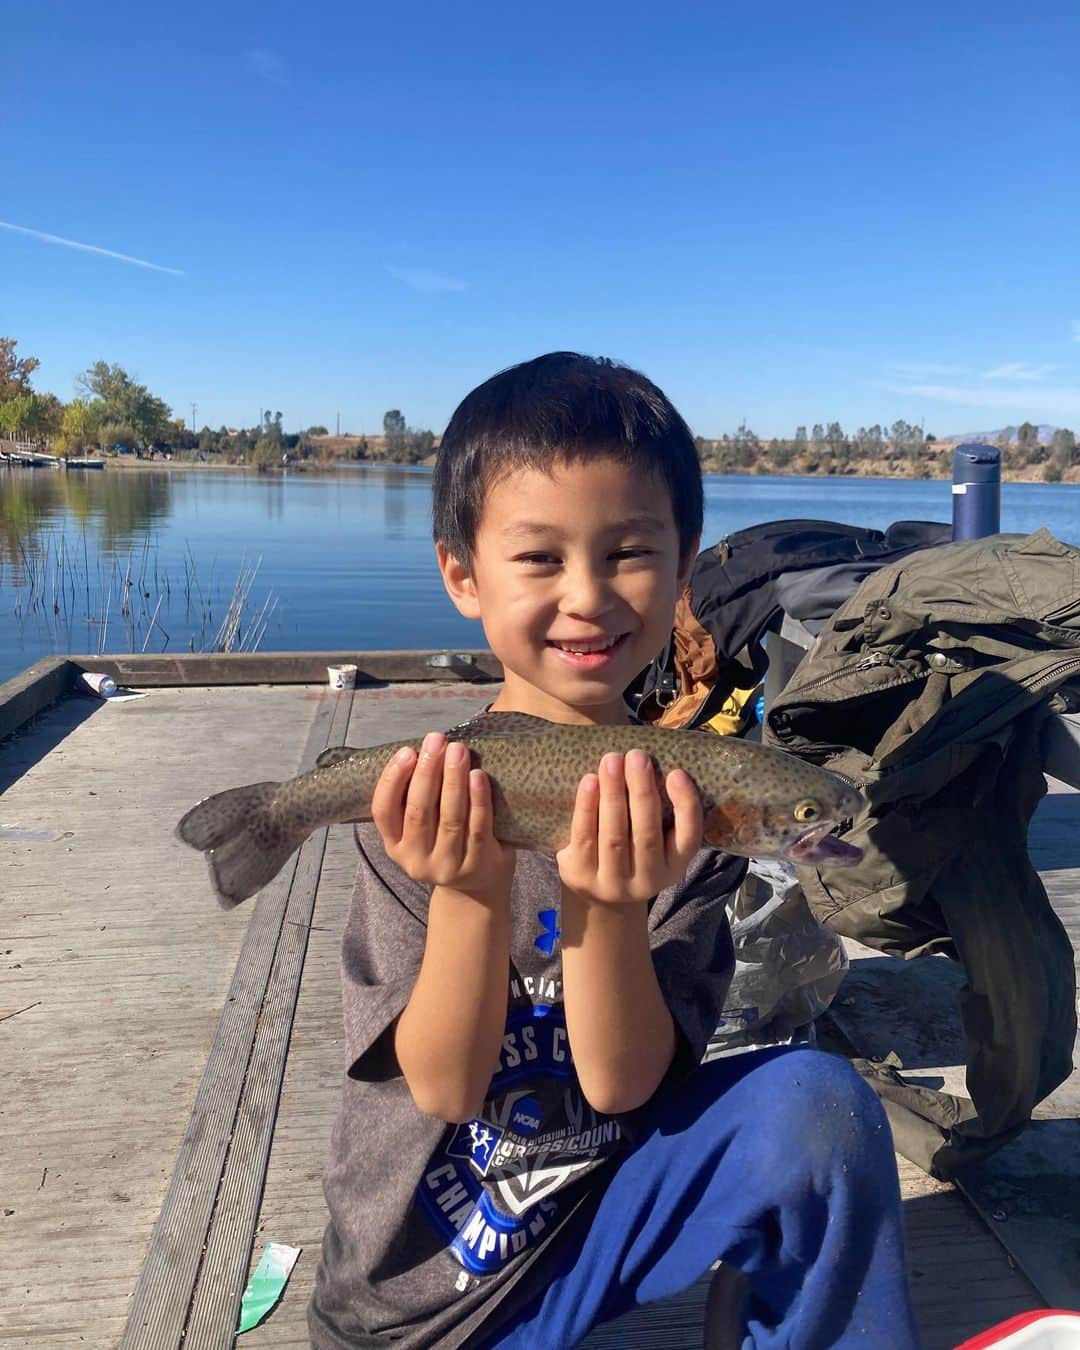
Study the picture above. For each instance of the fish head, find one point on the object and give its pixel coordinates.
(792, 821)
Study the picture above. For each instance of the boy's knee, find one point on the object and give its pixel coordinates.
(815, 1106)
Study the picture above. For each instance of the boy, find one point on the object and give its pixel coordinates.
(527, 1143)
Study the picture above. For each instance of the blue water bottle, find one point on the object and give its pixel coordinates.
(976, 503)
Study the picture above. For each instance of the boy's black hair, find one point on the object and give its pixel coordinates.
(562, 406)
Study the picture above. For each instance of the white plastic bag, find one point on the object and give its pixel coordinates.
(788, 966)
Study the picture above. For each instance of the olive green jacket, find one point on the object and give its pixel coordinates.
(929, 689)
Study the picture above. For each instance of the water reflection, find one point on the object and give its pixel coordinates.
(396, 489)
(38, 504)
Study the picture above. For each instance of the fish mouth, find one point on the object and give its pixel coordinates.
(821, 847)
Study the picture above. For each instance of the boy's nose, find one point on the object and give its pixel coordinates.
(587, 595)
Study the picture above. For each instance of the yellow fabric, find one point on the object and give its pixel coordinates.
(735, 713)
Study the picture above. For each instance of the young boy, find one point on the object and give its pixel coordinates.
(527, 1143)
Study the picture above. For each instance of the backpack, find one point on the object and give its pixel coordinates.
(712, 663)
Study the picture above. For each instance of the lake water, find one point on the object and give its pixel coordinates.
(344, 557)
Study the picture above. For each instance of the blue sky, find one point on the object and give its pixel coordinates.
(787, 213)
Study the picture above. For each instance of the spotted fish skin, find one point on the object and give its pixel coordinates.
(757, 801)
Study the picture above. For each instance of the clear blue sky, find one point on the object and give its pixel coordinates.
(784, 212)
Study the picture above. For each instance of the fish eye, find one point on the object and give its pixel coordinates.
(806, 812)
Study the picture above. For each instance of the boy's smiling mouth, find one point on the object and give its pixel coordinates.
(588, 654)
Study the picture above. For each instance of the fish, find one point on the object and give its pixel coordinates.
(757, 801)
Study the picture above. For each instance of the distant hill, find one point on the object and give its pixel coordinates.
(1046, 435)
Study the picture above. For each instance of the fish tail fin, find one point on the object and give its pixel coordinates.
(243, 846)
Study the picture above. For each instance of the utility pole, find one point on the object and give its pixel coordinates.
(338, 424)
(194, 406)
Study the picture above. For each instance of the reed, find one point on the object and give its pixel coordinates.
(127, 602)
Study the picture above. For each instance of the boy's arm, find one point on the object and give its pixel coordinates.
(448, 1037)
(621, 1033)
(435, 818)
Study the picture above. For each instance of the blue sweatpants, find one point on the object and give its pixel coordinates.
(778, 1162)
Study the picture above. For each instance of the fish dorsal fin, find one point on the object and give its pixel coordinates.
(499, 724)
(334, 755)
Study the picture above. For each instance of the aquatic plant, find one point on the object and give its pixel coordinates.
(125, 603)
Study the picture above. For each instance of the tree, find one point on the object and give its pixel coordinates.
(317, 431)
(393, 423)
(115, 397)
(1062, 447)
(799, 443)
(15, 371)
(835, 438)
(817, 435)
(745, 447)
(25, 414)
(112, 434)
(1028, 444)
(781, 453)
(77, 427)
(905, 437)
(103, 381)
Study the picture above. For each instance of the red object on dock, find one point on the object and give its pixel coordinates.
(1049, 1329)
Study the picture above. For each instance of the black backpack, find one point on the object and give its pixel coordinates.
(732, 601)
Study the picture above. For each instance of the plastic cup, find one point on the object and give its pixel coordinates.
(341, 677)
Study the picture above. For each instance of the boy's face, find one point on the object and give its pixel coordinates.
(575, 575)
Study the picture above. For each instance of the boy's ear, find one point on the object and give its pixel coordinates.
(458, 581)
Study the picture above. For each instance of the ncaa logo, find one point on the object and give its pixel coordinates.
(525, 1116)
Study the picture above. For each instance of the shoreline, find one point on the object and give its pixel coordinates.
(1070, 478)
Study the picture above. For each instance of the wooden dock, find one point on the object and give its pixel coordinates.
(172, 1069)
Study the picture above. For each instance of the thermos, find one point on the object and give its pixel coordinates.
(976, 502)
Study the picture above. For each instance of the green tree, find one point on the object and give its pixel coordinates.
(267, 453)
(116, 397)
(394, 430)
(906, 438)
(745, 447)
(15, 371)
(781, 453)
(112, 434)
(1027, 439)
(78, 428)
(835, 439)
(317, 431)
(1062, 448)
(26, 415)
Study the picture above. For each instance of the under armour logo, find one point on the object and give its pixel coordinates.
(550, 932)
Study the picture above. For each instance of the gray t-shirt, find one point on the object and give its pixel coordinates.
(438, 1229)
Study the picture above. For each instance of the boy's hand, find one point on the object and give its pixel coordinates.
(435, 817)
(618, 851)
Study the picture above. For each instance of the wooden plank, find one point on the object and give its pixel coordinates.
(147, 669)
(162, 1297)
(215, 1306)
(46, 682)
(112, 931)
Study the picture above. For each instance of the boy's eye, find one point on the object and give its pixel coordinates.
(538, 559)
(632, 551)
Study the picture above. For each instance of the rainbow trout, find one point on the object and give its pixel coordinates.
(757, 801)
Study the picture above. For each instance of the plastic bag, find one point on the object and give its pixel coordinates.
(788, 967)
